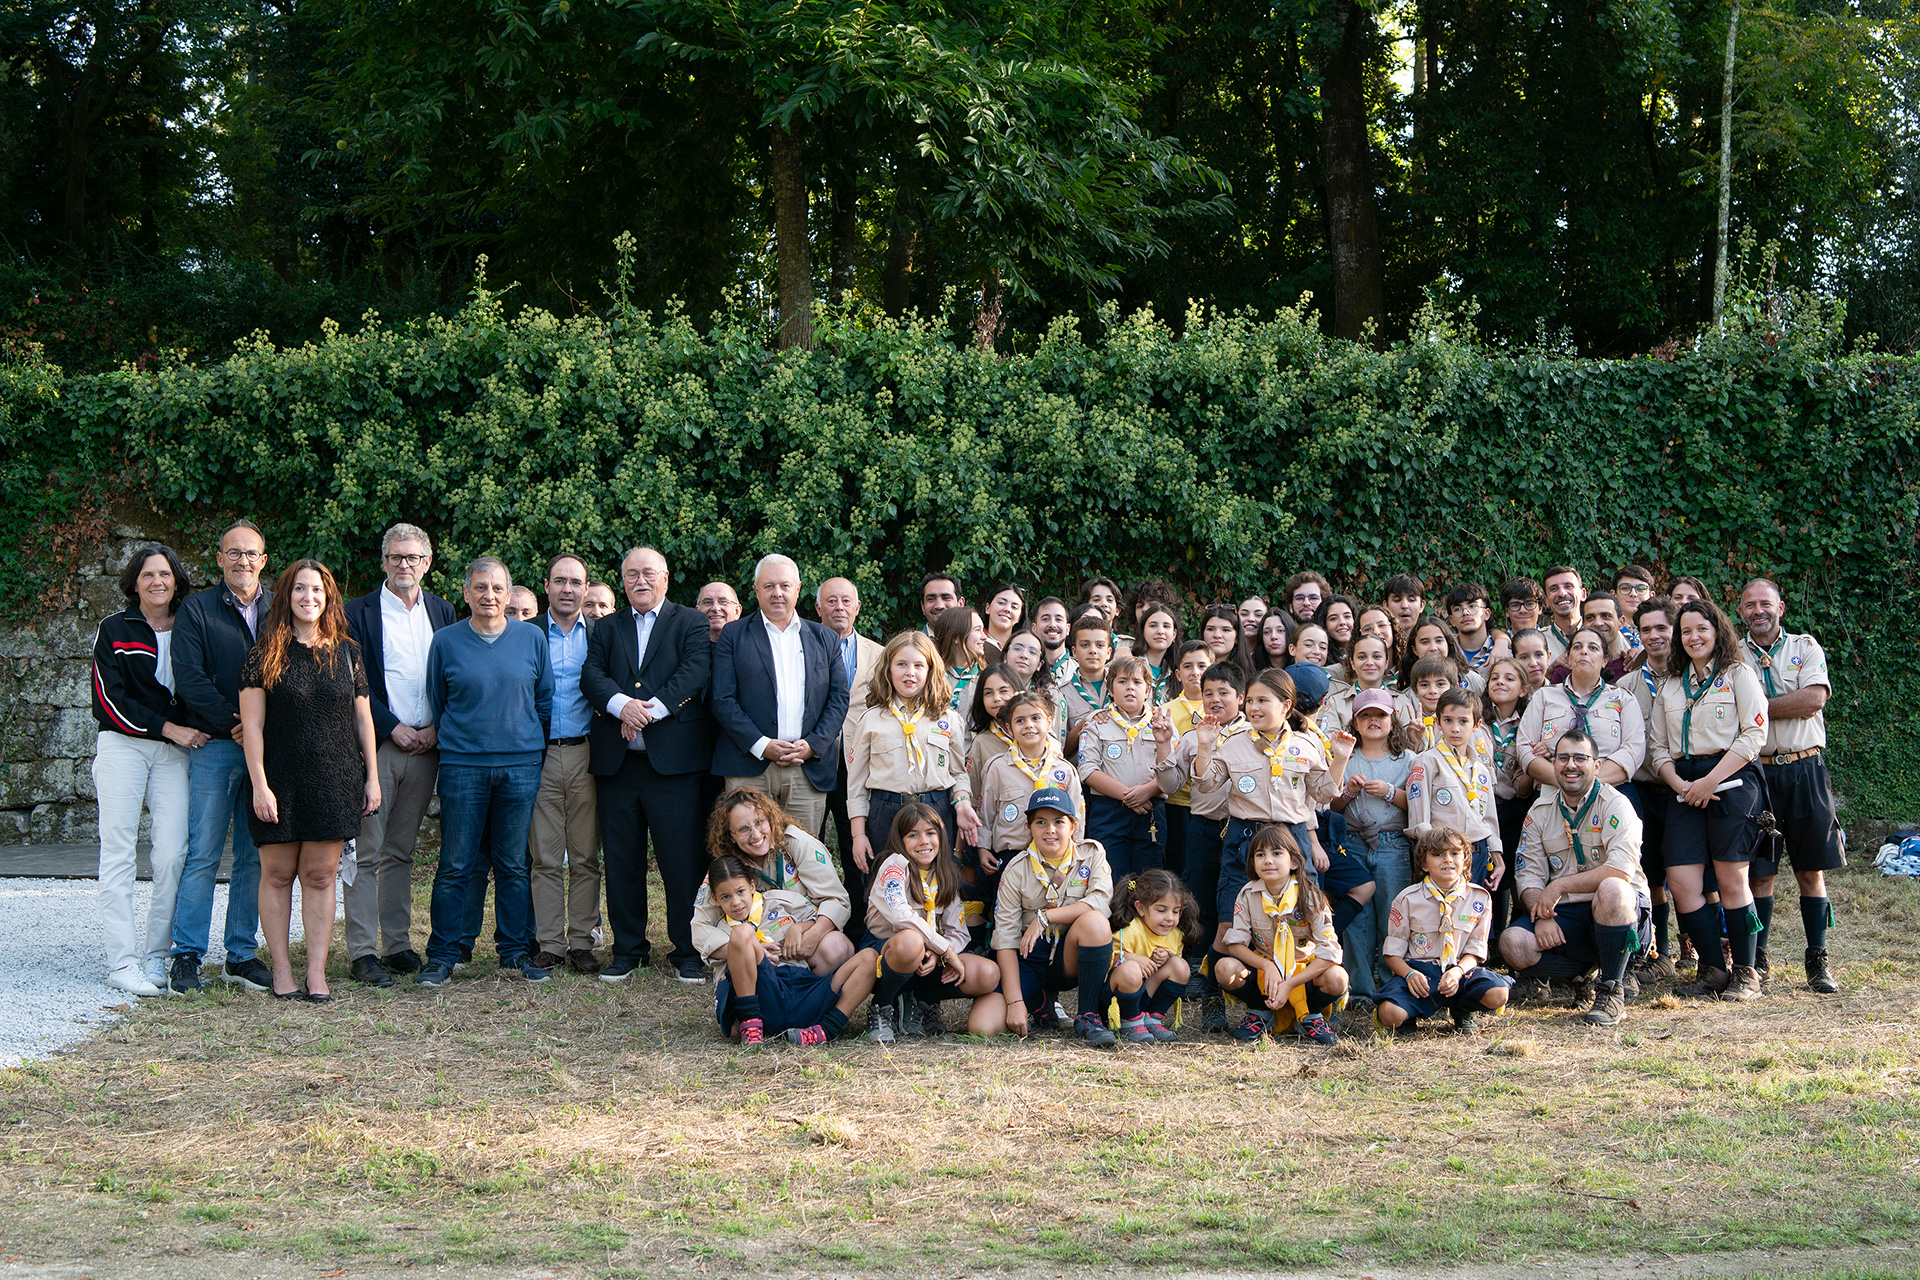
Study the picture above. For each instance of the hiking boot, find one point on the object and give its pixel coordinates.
(1583, 988)
(931, 1023)
(1656, 969)
(1761, 963)
(880, 1023)
(1136, 1030)
(1090, 1028)
(1255, 1024)
(1745, 984)
(1053, 1017)
(1630, 986)
(1609, 1004)
(549, 960)
(908, 1018)
(584, 961)
(1468, 1022)
(1213, 1012)
(1528, 989)
(1314, 1030)
(1707, 984)
(1819, 977)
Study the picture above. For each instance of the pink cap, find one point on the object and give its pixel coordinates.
(1372, 700)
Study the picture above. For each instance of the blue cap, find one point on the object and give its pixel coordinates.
(1055, 798)
(1310, 682)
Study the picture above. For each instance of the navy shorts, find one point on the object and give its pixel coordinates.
(1800, 796)
(1345, 871)
(1728, 829)
(1656, 802)
(1474, 985)
(1043, 972)
(1582, 947)
(927, 988)
(790, 995)
(1133, 841)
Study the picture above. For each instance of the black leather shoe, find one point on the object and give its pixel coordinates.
(369, 971)
(619, 969)
(407, 961)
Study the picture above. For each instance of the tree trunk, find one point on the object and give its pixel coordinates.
(846, 229)
(1353, 231)
(790, 245)
(896, 284)
(1726, 168)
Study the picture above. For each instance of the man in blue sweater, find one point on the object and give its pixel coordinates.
(490, 689)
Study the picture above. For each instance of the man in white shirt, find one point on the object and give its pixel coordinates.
(780, 694)
(394, 626)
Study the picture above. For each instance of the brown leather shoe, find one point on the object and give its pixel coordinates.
(548, 960)
(583, 962)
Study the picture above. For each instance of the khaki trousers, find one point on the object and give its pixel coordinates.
(564, 853)
(788, 785)
(379, 905)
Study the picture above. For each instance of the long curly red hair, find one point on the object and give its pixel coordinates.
(330, 637)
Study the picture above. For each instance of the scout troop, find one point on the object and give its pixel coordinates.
(1170, 829)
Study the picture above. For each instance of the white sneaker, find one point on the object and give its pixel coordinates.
(155, 971)
(130, 979)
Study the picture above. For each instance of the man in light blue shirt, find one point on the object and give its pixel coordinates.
(565, 849)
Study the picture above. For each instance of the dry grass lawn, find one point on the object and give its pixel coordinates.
(610, 1129)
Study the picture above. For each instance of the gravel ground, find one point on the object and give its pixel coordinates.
(53, 963)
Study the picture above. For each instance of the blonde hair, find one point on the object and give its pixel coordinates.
(934, 696)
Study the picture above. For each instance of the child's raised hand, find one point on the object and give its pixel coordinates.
(1417, 983)
(1343, 743)
(1162, 725)
(1206, 733)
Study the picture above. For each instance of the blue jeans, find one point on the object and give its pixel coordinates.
(219, 798)
(1392, 872)
(477, 901)
(494, 803)
(1360, 949)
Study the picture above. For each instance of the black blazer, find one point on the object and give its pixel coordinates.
(210, 645)
(746, 702)
(363, 622)
(679, 657)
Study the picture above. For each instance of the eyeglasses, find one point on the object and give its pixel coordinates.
(1565, 758)
(1306, 597)
(643, 575)
(238, 556)
(407, 562)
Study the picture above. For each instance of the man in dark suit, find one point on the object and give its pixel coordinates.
(779, 698)
(645, 678)
(394, 626)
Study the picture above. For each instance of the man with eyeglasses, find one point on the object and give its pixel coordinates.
(212, 635)
(1306, 591)
(651, 742)
(394, 626)
(1582, 890)
(1632, 587)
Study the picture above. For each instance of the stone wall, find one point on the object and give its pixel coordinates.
(46, 718)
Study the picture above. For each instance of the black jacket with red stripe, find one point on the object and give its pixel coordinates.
(127, 694)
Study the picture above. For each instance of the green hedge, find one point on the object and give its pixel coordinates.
(1223, 455)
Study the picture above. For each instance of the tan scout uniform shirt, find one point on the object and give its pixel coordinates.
(801, 862)
(1106, 748)
(1794, 663)
(1077, 700)
(780, 910)
(896, 902)
(1418, 924)
(1252, 927)
(1643, 685)
(1509, 780)
(1243, 770)
(1005, 789)
(1609, 832)
(878, 759)
(1438, 799)
(1175, 776)
(1027, 890)
(1613, 718)
(1730, 714)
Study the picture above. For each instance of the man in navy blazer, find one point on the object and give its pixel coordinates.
(645, 679)
(394, 626)
(779, 697)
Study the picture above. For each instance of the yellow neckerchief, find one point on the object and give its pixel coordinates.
(1192, 706)
(754, 916)
(1003, 735)
(1132, 727)
(1426, 723)
(1313, 731)
(929, 889)
(1449, 950)
(907, 716)
(1462, 769)
(1036, 772)
(1286, 952)
(1275, 750)
(1044, 870)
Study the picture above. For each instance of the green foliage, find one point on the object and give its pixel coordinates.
(1223, 458)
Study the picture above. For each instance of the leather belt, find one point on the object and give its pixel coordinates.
(566, 742)
(1788, 757)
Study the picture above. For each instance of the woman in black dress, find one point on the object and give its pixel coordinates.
(308, 734)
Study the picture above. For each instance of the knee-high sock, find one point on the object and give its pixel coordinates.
(747, 1008)
(890, 984)
(1817, 915)
(1129, 1002)
(1763, 908)
(1703, 926)
(1611, 941)
(1094, 963)
(1345, 909)
(1661, 937)
(1164, 999)
(1743, 931)
(834, 1023)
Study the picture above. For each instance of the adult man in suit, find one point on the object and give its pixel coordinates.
(394, 625)
(838, 604)
(779, 697)
(645, 678)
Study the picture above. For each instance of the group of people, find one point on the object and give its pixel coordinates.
(1302, 808)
